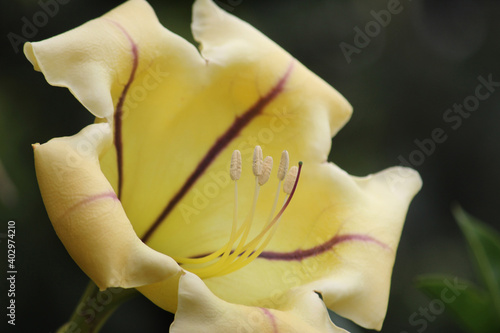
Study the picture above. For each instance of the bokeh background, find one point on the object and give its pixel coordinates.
(401, 83)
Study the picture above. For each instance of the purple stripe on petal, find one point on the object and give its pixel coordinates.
(118, 138)
(86, 201)
(300, 254)
(271, 318)
(220, 144)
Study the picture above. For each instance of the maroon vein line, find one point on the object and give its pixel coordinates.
(271, 318)
(90, 199)
(222, 142)
(119, 110)
(299, 255)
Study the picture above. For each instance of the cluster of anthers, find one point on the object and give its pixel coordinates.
(237, 252)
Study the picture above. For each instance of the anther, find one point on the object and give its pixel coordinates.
(266, 170)
(283, 168)
(290, 178)
(235, 169)
(257, 161)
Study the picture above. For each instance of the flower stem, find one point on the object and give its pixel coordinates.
(94, 308)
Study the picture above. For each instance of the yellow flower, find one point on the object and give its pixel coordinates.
(150, 181)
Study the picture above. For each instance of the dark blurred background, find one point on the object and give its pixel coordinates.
(401, 76)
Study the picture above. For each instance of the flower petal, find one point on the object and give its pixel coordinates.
(339, 237)
(366, 267)
(88, 217)
(201, 311)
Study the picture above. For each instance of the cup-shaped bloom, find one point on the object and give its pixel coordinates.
(145, 194)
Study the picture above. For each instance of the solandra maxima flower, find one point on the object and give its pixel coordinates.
(145, 197)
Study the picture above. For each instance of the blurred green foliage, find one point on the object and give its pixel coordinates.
(475, 309)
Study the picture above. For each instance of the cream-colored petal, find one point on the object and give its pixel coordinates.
(360, 289)
(200, 311)
(339, 236)
(163, 293)
(88, 217)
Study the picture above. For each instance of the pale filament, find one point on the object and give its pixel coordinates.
(237, 252)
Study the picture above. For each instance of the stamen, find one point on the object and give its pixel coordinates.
(247, 225)
(257, 161)
(290, 178)
(235, 170)
(235, 173)
(226, 260)
(287, 201)
(283, 168)
(266, 170)
(248, 256)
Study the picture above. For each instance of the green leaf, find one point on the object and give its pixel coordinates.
(469, 305)
(484, 243)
